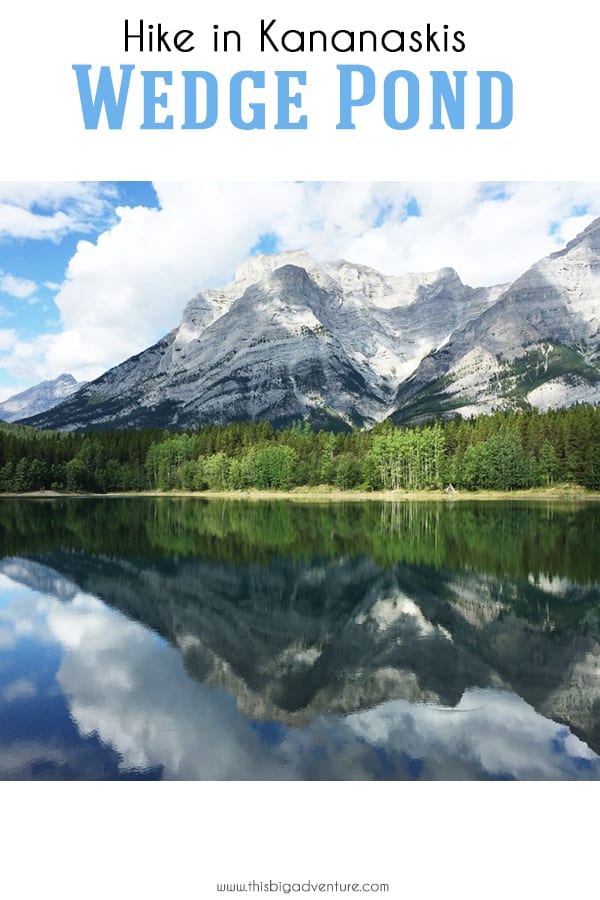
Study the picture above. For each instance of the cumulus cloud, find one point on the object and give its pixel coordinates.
(25, 360)
(127, 289)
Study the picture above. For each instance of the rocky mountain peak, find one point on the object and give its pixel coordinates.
(38, 399)
(254, 268)
(292, 277)
(341, 344)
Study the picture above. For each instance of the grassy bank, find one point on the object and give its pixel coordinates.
(326, 494)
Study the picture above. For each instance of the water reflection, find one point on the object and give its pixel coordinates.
(150, 664)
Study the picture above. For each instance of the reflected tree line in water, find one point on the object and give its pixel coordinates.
(504, 451)
(516, 540)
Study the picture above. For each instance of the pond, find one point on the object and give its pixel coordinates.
(168, 638)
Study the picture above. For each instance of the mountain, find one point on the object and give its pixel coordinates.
(289, 339)
(538, 345)
(38, 399)
(342, 345)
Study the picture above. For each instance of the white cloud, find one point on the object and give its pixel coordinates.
(7, 339)
(572, 226)
(16, 222)
(17, 287)
(55, 194)
(129, 288)
(133, 691)
(38, 211)
(24, 360)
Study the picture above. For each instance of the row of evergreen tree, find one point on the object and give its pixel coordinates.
(504, 451)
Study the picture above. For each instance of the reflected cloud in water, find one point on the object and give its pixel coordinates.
(136, 710)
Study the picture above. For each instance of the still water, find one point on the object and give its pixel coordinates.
(184, 638)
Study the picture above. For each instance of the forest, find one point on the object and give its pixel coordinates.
(504, 451)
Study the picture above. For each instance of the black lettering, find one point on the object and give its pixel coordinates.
(431, 39)
(312, 35)
(416, 42)
(134, 37)
(445, 38)
(371, 35)
(388, 45)
(149, 39)
(459, 45)
(349, 48)
(163, 44)
(181, 38)
(265, 36)
(293, 33)
(235, 36)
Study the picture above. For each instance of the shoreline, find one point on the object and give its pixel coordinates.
(562, 492)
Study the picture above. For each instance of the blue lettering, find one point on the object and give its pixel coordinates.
(347, 100)
(453, 100)
(285, 100)
(235, 101)
(412, 103)
(114, 107)
(191, 100)
(485, 100)
(152, 100)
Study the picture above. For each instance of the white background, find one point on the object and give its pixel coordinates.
(157, 841)
(548, 49)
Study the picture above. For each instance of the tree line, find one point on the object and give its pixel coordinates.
(503, 451)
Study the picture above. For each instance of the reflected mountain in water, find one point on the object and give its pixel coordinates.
(292, 641)
(301, 640)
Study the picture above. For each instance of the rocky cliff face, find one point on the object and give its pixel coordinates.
(289, 339)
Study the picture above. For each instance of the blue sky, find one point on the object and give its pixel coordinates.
(32, 269)
(93, 272)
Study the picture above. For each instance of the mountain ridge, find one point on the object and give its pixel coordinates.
(538, 345)
(39, 398)
(341, 345)
(325, 343)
